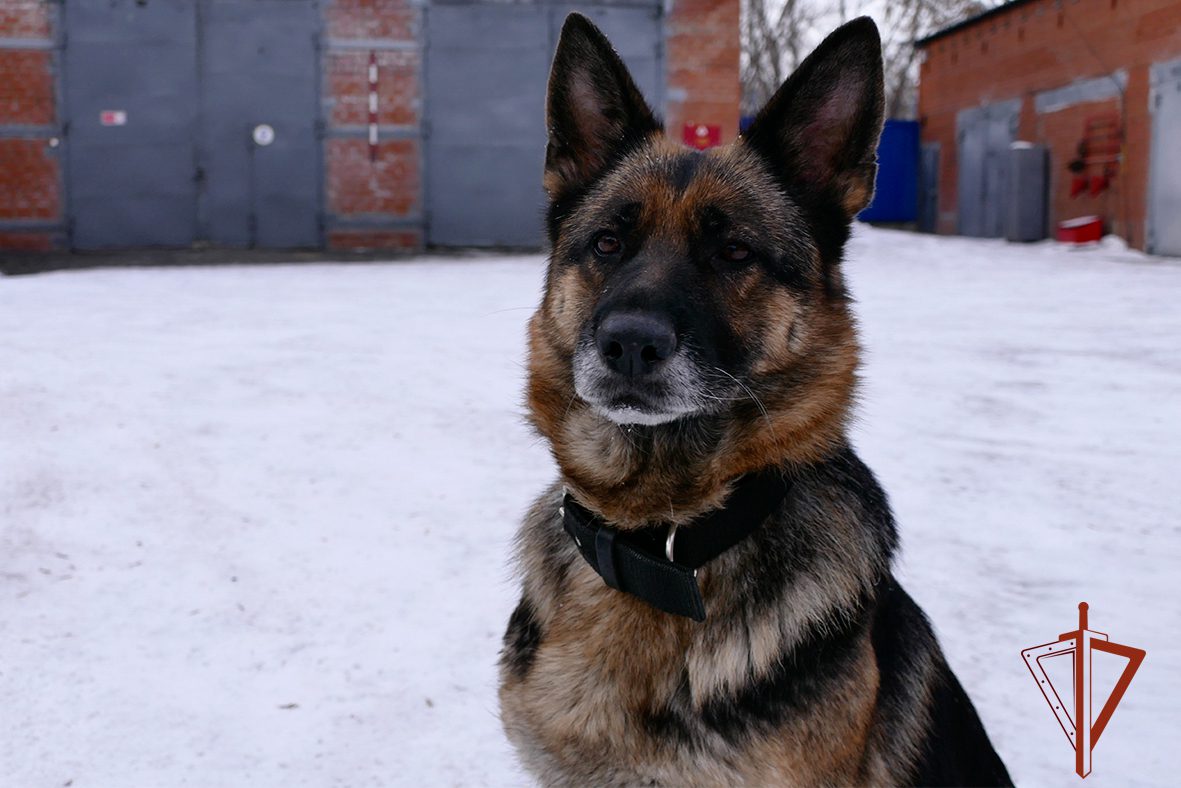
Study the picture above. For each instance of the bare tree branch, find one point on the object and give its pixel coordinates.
(777, 34)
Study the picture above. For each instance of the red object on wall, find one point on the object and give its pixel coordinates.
(701, 135)
(1082, 230)
(1102, 138)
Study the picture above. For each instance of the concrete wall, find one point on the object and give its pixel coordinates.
(1042, 48)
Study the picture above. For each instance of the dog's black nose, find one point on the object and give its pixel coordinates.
(635, 343)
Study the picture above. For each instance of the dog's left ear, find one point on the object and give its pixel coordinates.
(594, 111)
(820, 130)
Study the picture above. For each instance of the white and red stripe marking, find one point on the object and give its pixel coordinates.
(372, 106)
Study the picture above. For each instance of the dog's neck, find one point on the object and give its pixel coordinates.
(672, 473)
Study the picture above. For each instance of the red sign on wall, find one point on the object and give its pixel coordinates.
(702, 136)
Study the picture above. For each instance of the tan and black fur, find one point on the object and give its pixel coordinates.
(813, 667)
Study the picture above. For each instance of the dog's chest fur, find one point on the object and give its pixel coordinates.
(620, 716)
(777, 686)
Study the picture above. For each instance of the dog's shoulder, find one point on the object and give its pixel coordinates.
(544, 550)
(946, 741)
(838, 502)
(544, 556)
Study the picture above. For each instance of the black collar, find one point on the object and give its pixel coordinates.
(659, 563)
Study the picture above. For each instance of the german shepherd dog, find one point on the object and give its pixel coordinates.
(707, 596)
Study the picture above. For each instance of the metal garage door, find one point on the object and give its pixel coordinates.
(1164, 180)
(131, 98)
(260, 66)
(983, 137)
(162, 99)
(486, 71)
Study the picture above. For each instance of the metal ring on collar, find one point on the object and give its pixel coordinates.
(669, 542)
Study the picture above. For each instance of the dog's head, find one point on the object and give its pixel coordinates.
(700, 286)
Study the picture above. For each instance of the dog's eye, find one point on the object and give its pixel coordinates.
(736, 252)
(607, 244)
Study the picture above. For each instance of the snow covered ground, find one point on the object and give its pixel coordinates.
(255, 522)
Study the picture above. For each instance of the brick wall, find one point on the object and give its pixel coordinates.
(1061, 131)
(25, 19)
(701, 65)
(30, 192)
(1042, 46)
(373, 203)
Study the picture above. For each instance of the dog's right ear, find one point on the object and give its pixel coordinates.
(594, 111)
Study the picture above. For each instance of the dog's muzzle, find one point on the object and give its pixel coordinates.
(634, 369)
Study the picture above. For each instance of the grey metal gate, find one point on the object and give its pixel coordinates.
(260, 67)
(486, 70)
(929, 187)
(162, 99)
(983, 137)
(130, 88)
(1164, 179)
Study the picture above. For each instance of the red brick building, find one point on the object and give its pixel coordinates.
(89, 156)
(1092, 80)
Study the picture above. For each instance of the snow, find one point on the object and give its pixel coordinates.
(255, 522)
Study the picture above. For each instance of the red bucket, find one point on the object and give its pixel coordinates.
(1082, 230)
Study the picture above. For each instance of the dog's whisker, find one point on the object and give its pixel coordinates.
(626, 430)
(508, 309)
(751, 395)
(569, 405)
(722, 399)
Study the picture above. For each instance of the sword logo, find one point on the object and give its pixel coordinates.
(1077, 719)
